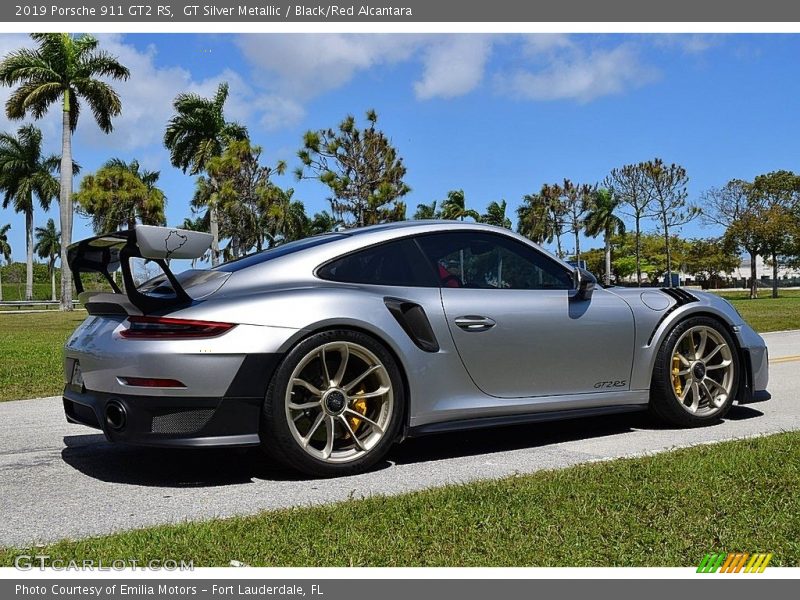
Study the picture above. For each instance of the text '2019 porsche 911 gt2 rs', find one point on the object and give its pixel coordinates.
(328, 350)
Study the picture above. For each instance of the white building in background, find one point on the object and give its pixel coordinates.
(763, 271)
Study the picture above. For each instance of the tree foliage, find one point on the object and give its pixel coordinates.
(119, 195)
(360, 167)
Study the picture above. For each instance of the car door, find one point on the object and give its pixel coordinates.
(517, 324)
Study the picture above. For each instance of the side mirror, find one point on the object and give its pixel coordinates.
(584, 282)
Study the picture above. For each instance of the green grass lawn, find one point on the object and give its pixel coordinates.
(766, 313)
(14, 291)
(663, 510)
(30, 353)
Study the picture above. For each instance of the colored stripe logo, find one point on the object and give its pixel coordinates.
(734, 562)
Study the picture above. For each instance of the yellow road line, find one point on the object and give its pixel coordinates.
(784, 359)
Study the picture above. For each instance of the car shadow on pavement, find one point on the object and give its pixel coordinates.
(93, 456)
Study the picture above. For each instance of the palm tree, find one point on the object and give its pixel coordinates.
(25, 174)
(286, 217)
(63, 68)
(455, 207)
(540, 218)
(322, 222)
(601, 219)
(48, 245)
(496, 215)
(5, 252)
(195, 134)
(119, 194)
(427, 211)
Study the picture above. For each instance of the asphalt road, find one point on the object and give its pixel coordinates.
(65, 481)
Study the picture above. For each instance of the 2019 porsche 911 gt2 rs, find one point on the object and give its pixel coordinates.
(328, 350)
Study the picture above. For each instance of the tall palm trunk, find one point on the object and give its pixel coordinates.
(607, 275)
(65, 205)
(53, 278)
(214, 227)
(29, 252)
(1, 281)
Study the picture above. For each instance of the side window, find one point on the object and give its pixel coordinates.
(488, 261)
(394, 263)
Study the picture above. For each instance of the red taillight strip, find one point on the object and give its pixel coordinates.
(147, 328)
(151, 382)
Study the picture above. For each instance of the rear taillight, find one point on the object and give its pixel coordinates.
(151, 382)
(148, 328)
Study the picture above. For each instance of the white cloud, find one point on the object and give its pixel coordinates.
(576, 74)
(688, 43)
(308, 65)
(453, 66)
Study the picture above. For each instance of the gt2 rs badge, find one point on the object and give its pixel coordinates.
(611, 384)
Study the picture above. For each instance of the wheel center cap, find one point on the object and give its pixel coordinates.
(699, 370)
(335, 402)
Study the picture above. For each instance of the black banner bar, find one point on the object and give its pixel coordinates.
(233, 11)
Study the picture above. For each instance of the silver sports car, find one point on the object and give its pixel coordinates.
(328, 350)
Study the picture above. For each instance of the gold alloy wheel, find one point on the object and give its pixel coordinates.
(702, 371)
(339, 402)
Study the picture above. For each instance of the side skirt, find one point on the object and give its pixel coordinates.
(555, 415)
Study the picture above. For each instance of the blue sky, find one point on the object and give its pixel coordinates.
(496, 115)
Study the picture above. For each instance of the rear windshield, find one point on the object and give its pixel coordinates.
(282, 250)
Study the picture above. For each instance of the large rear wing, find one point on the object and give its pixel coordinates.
(105, 254)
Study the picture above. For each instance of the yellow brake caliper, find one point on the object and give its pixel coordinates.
(360, 406)
(676, 378)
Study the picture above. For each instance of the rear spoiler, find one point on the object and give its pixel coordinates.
(105, 254)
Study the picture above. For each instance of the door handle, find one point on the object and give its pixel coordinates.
(475, 323)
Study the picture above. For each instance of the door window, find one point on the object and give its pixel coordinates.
(488, 261)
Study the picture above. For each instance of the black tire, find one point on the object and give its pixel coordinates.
(277, 439)
(664, 403)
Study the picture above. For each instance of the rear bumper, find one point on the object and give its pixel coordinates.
(189, 422)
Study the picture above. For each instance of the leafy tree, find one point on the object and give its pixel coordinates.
(361, 168)
(48, 246)
(67, 69)
(427, 211)
(496, 215)
(118, 195)
(666, 185)
(778, 196)
(25, 174)
(455, 207)
(239, 188)
(628, 184)
(707, 259)
(601, 218)
(5, 252)
(576, 198)
(736, 208)
(197, 133)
